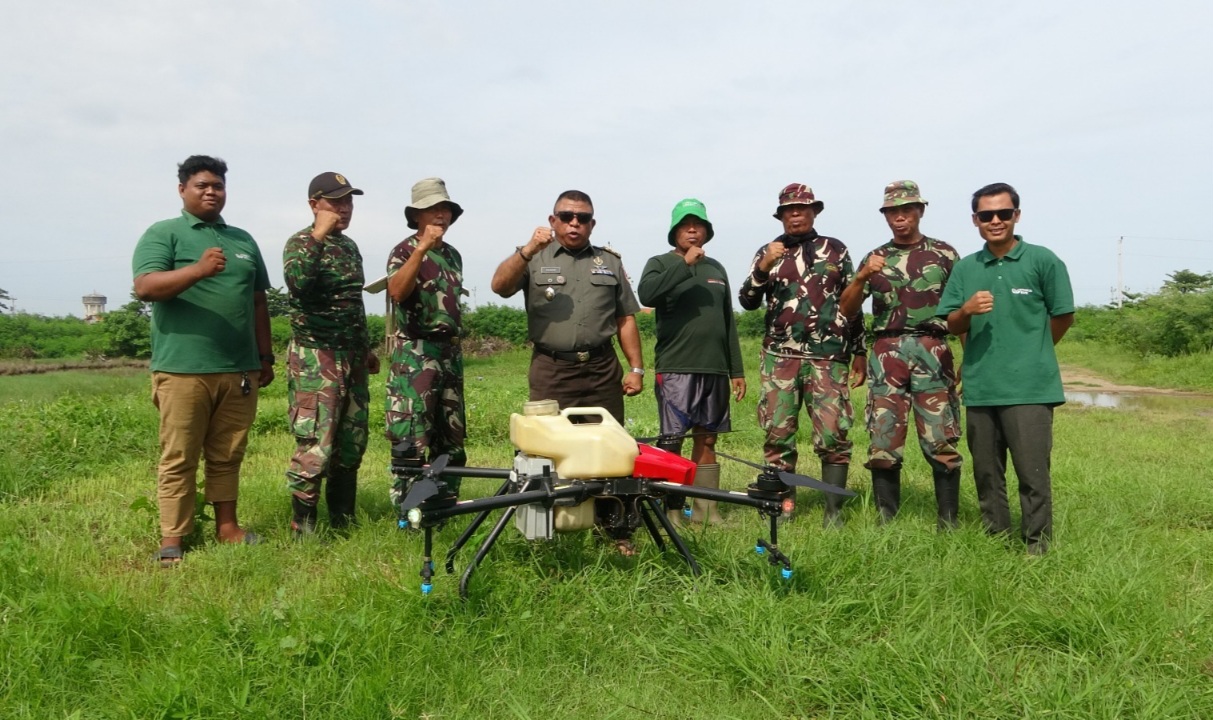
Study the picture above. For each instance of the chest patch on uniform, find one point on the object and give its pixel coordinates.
(549, 270)
(715, 281)
(602, 271)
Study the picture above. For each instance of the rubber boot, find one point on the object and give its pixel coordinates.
(886, 490)
(341, 493)
(835, 475)
(304, 521)
(707, 476)
(674, 506)
(947, 497)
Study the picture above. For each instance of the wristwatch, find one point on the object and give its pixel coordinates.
(638, 371)
(268, 357)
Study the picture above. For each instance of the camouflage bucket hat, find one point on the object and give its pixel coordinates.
(798, 194)
(688, 208)
(426, 194)
(902, 192)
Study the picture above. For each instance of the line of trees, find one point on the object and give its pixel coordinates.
(1176, 320)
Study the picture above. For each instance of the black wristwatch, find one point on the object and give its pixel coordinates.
(269, 358)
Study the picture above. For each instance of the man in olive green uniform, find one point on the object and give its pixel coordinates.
(577, 298)
(329, 356)
(425, 383)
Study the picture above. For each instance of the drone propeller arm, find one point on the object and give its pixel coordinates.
(577, 491)
(729, 496)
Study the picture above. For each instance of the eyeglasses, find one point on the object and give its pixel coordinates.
(1004, 214)
(566, 217)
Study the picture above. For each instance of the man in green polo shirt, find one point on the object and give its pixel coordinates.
(1014, 301)
(210, 350)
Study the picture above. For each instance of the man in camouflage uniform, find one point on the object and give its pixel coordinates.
(809, 342)
(425, 285)
(910, 365)
(329, 357)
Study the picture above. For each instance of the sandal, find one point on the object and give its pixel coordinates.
(168, 557)
(625, 547)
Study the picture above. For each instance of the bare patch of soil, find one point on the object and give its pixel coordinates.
(1077, 379)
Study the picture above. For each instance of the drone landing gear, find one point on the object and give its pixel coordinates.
(771, 550)
(650, 507)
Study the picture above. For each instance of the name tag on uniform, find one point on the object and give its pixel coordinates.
(549, 270)
(715, 281)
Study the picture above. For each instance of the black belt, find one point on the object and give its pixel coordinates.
(913, 332)
(576, 355)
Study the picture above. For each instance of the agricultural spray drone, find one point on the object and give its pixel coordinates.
(568, 475)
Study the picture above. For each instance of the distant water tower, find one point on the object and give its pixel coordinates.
(94, 307)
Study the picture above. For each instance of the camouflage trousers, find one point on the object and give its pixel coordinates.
(425, 402)
(821, 385)
(913, 372)
(328, 399)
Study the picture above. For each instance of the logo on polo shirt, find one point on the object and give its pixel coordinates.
(1021, 291)
(244, 256)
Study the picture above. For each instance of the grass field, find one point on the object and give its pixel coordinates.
(896, 621)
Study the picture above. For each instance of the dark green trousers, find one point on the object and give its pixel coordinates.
(1027, 432)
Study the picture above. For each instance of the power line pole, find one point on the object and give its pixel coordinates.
(1120, 272)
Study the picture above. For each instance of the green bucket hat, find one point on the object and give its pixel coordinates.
(689, 207)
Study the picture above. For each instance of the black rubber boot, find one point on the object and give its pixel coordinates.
(835, 475)
(341, 493)
(886, 490)
(947, 497)
(304, 521)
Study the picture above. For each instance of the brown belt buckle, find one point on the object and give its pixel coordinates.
(583, 355)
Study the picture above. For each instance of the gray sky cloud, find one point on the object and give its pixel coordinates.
(1098, 112)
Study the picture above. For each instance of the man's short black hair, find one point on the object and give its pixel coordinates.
(996, 189)
(575, 196)
(195, 164)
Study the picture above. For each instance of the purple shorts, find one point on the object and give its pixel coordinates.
(689, 400)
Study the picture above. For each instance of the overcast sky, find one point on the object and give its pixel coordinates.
(1100, 113)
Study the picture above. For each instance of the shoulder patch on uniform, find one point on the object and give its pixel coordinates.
(611, 250)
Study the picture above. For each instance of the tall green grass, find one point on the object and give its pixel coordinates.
(876, 621)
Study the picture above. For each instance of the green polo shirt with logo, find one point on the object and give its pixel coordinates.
(1008, 356)
(209, 328)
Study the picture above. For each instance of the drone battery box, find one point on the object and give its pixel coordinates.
(657, 464)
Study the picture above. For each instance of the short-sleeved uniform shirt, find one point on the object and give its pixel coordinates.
(324, 282)
(906, 292)
(432, 310)
(210, 327)
(1009, 357)
(588, 291)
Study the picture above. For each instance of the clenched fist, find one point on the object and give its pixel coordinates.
(775, 252)
(981, 303)
(693, 255)
(872, 267)
(212, 262)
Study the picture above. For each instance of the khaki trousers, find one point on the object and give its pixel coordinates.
(203, 415)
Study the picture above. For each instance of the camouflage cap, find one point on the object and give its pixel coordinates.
(330, 185)
(426, 194)
(902, 192)
(685, 209)
(798, 194)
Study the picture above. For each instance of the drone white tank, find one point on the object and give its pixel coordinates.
(599, 448)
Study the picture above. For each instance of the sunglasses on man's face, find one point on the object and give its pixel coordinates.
(566, 217)
(1004, 214)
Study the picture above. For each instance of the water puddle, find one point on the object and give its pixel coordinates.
(1188, 404)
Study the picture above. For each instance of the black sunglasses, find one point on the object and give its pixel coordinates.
(1004, 214)
(566, 217)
